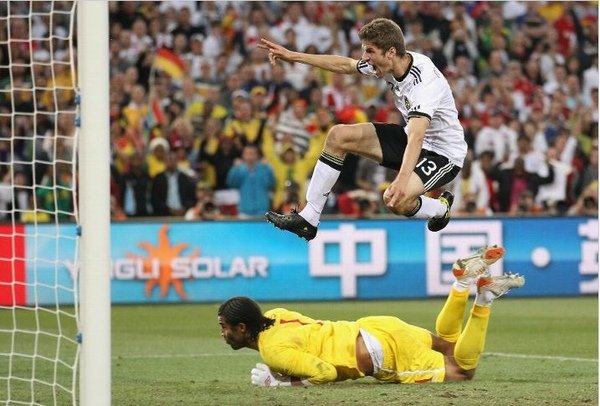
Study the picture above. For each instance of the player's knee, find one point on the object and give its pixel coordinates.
(403, 207)
(387, 200)
(339, 137)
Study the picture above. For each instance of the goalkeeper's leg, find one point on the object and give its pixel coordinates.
(466, 271)
(472, 340)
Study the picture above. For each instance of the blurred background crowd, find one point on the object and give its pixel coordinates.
(203, 127)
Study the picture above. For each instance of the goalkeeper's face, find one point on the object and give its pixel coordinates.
(234, 335)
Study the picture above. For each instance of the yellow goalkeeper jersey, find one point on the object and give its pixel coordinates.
(322, 351)
(325, 351)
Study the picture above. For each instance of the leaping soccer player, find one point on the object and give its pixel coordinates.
(428, 152)
(298, 350)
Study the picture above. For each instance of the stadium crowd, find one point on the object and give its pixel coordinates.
(203, 127)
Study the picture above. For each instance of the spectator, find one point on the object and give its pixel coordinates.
(471, 194)
(184, 24)
(244, 127)
(181, 133)
(130, 80)
(533, 130)
(525, 205)
(208, 108)
(135, 112)
(586, 30)
(254, 180)
(15, 195)
(590, 173)
(256, 27)
(155, 160)
(533, 24)
(214, 43)
(485, 162)
(262, 69)
(55, 191)
(289, 167)
(172, 192)
(550, 59)
(565, 28)
(140, 40)
(293, 128)
(290, 198)
(294, 19)
(134, 187)
(205, 207)
(533, 159)
(512, 182)
(460, 44)
(334, 95)
(188, 95)
(498, 138)
(574, 96)
(259, 101)
(587, 202)
(195, 58)
(553, 196)
(223, 158)
(231, 91)
(278, 87)
(556, 81)
(434, 23)
(520, 45)
(248, 75)
(590, 79)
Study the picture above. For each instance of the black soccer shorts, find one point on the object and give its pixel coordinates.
(435, 170)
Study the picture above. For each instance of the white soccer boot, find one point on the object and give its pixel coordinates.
(492, 287)
(477, 263)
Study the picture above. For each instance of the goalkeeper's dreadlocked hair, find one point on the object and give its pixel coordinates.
(241, 309)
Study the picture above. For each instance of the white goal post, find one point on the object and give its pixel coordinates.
(94, 200)
(54, 203)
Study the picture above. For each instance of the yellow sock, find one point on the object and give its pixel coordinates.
(449, 321)
(472, 340)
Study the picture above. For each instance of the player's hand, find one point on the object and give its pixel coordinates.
(276, 51)
(261, 375)
(394, 194)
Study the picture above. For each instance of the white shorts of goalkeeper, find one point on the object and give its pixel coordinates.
(375, 350)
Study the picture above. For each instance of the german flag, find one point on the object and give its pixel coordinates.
(169, 62)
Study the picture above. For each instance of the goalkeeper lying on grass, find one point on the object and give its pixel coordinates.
(298, 350)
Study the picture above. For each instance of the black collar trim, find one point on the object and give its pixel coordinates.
(407, 69)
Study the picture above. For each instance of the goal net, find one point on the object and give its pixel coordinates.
(39, 348)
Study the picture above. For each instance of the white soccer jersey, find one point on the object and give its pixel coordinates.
(424, 91)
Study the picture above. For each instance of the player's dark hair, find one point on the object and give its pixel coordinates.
(384, 34)
(241, 309)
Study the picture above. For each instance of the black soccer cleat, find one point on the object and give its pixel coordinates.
(438, 223)
(293, 223)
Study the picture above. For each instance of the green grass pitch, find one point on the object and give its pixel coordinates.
(539, 351)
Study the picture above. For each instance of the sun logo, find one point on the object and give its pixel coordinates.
(161, 256)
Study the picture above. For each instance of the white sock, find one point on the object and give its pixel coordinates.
(484, 299)
(430, 208)
(323, 178)
(463, 284)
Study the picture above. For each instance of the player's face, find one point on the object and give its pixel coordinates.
(377, 58)
(234, 335)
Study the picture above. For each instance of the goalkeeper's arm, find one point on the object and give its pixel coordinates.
(298, 367)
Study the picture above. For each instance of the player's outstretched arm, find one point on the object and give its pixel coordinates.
(332, 63)
(261, 375)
